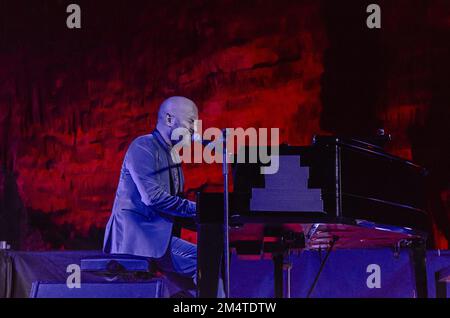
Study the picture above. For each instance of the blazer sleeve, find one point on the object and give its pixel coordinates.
(141, 163)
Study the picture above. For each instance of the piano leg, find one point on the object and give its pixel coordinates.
(278, 261)
(279, 266)
(418, 257)
(441, 287)
(281, 256)
(209, 259)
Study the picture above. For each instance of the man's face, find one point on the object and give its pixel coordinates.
(185, 117)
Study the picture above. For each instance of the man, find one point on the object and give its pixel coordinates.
(147, 196)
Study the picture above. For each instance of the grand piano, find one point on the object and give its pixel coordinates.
(335, 193)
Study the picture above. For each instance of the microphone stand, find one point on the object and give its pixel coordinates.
(226, 213)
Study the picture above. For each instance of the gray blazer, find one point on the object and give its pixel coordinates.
(142, 216)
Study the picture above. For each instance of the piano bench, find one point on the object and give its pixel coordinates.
(114, 266)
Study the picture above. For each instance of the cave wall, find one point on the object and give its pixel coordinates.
(72, 100)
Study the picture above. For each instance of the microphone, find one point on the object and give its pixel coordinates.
(196, 137)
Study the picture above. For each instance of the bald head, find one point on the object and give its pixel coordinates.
(176, 112)
(174, 105)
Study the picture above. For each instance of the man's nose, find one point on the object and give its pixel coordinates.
(191, 128)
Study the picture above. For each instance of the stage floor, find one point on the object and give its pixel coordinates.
(347, 274)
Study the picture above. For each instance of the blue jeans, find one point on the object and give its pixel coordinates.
(179, 264)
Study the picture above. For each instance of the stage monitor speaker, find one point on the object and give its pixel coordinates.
(152, 289)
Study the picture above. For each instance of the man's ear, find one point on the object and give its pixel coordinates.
(169, 120)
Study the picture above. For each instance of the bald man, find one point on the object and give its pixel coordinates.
(147, 197)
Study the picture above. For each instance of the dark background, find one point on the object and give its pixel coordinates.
(72, 100)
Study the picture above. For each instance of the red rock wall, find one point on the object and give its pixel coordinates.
(72, 100)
